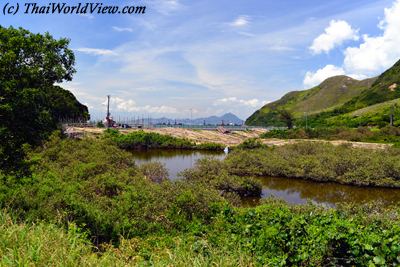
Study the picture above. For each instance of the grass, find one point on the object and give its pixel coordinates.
(273, 234)
(329, 95)
(40, 244)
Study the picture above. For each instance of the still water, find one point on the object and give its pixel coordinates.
(294, 191)
(298, 191)
(175, 161)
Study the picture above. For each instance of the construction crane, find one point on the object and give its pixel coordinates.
(109, 121)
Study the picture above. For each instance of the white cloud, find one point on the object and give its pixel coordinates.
(95, 51)
(119, 29)
(129, 105)
(380, 52)
(240, 21)
(335, 34)
(254, 103)
(314, 78)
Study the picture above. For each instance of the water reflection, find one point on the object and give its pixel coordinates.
(175, 161)
(298, 191)
(294, 191)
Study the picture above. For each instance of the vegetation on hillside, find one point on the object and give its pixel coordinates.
(385, 88)
(330, 94)
(339, 101)
(30, 104)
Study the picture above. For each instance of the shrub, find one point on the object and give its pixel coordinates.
(319, 162)
(154, 171)
(251, 143)
(99, 187)
(213, 172)
(145, 140)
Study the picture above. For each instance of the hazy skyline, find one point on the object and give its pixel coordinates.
(219, 56)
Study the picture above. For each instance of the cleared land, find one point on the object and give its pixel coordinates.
(198, 136)
(230, 139)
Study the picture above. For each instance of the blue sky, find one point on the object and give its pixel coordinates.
(219, 56)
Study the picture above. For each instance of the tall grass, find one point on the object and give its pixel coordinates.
(273, 234)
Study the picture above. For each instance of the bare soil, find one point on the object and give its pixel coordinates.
(229, 139)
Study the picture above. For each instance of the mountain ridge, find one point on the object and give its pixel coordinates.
(227, 118)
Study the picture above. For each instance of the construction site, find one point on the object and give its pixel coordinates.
(221, 133)
(227, 135)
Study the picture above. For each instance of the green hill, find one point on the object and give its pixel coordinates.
(335, 102)
(385, 88)
(330, 94)
(374, 115)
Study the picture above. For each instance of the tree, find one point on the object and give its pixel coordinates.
(287, 117)
(30, 104)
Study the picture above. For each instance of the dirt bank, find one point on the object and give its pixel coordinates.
(231, 139)
(199, 136)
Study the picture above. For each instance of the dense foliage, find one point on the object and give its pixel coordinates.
(30, 104)
(320, 162)
(87, 203)
(361, 134)
(273, 234)
(98, 186)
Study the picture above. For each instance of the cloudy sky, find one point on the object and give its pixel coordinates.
(219, 56)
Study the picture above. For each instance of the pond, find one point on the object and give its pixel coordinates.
(296, 191)
(293, 191)
(175, 160)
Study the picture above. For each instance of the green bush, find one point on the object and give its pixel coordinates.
(98, 186)
(145, 140)
(88, 204)
(251, 143)
(213, 172)
(273, 234)
(319, 162)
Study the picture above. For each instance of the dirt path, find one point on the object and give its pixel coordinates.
(198, 136)
(230, 139)
(281, 142)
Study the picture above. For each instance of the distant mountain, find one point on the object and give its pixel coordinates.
(227, 118)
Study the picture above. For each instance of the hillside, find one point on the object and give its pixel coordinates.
(330, 94)
(375, 115)
(385, 88)
(335, 101)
